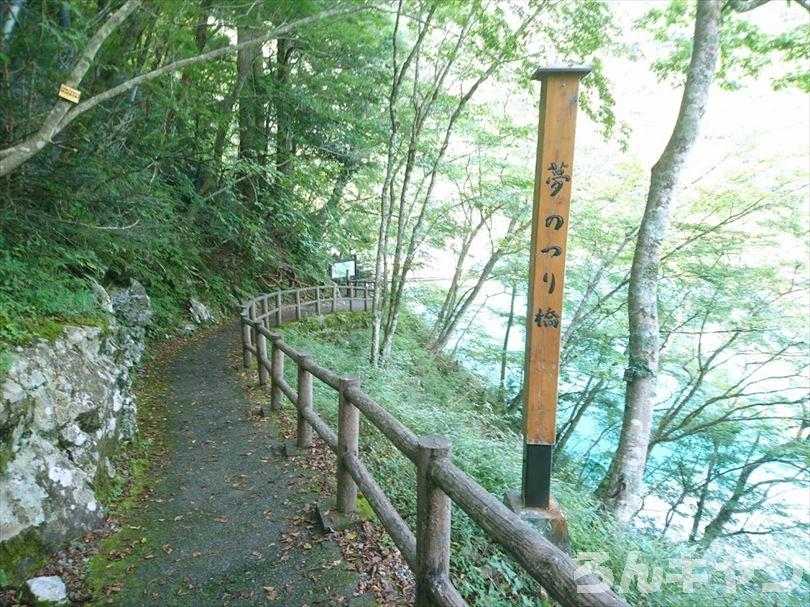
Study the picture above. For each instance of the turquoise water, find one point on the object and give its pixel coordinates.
(487, 329)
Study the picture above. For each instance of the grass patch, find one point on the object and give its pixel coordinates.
(431, 396)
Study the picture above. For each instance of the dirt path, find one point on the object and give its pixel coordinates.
(226, 520)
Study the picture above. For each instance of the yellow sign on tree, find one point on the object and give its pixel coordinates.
(69, 93)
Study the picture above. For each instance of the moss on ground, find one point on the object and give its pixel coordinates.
(122, 492)
(51, 327)
(21, 555)
(364, 511)
(116, 554)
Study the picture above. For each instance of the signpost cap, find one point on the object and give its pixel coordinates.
(561, 68)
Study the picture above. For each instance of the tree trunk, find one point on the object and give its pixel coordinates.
(380, 269)
(200, 38)
(729, 507)
(466, 330)
(13, 157)
(11, 15)
(704, 493)
(505, 349)
(383, 334)
(444, 331)
(348, 167)
(579, 411)
(627, 469)
(64, 112)
(451, 296)
(249, 69)
(209, 172)
(283, 129)
(455, 315)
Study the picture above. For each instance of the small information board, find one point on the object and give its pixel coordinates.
(344, 268)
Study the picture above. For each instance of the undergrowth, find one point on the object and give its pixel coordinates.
(439, 397)
(57, 244)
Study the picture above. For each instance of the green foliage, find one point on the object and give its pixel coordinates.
(194, 196)
(126, 195)
(747, 49)
(431, 397)
(582, 32)
(37, 293)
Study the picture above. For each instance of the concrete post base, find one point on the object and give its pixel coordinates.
(330, 520)
(550, 522)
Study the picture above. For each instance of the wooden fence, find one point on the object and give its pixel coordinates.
(439, 481)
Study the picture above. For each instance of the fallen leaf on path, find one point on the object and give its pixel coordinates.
(117, 587)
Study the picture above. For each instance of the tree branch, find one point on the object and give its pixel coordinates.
(61, 115)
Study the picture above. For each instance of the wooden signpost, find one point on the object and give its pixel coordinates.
(552, 197)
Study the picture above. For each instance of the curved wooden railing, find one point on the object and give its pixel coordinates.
(439, 481)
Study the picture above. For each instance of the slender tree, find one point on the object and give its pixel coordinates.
(622, 491)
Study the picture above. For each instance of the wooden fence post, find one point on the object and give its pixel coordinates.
(348, 437)
(304, 430)
(351, 297)
(265, 320)
(365, 297)
(245, 340)
(297, 304)
(433, 508)
(278, 308)
(252, 316)
(334, 297)
(276, 373)
(317, 301)
(261, 355)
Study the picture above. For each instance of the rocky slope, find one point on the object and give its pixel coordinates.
(64, 408)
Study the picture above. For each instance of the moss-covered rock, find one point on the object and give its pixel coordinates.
(22, 554)
(66, 405)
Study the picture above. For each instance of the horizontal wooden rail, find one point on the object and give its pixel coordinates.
(393, 429)
(439, 481)
(356, 298)
(541, 559)
(392, 521)
(287, 390)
